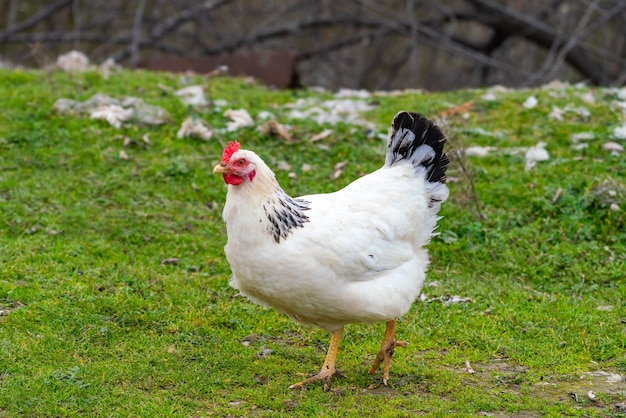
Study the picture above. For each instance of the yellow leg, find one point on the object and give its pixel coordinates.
(386, 351)
(328, 368)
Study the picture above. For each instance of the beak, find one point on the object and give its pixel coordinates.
(220, 168)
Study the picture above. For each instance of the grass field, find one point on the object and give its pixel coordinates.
(114, 296)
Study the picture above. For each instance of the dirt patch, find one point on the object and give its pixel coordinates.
(595, 389)
(7, 307)
(598, 388)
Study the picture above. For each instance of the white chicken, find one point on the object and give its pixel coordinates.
(352, 256)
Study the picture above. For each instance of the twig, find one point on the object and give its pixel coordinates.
(459, 159)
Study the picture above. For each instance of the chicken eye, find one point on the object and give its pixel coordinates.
(241, 162)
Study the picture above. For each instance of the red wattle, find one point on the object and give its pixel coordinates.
(232, 179)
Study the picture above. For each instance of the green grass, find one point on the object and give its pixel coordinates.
(93, 323)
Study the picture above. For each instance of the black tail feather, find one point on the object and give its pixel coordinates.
(413, 137)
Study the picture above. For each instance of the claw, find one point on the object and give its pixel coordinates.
(328, 368)
(387, 349)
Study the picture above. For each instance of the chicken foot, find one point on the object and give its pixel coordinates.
(387, 348)
(328, 368)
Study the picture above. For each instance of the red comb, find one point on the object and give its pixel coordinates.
(230, 149)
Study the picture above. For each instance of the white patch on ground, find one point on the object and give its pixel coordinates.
(620, 132)
(536, 154)
(477, 151)
(73, 62)
(530, 102)
(115, 111)
(192, 96)
(331, 112)
(194, 128)
(112, 113)
(239, 118)
(613, 147)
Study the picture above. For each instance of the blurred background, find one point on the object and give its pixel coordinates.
(358, 44)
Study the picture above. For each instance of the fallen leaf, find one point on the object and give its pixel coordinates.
(289, 404)
(456, 110)
(273, 128)
(324, 134)
(218, 71)
(169, 260)
(469, 368)
(123, 155)
(252, 338)
(338, 170)
(264, 353)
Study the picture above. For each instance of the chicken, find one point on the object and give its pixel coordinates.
(352, 256)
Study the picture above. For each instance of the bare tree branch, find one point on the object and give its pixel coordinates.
(136, 34)
(34, 19)
(77, 21)
(554, 60)
(421, 41)
(439, 39)
(510, 21)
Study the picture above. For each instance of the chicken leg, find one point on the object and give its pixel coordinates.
(328, 368)
(386, 351)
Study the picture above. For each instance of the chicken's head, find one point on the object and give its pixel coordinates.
(236, 166)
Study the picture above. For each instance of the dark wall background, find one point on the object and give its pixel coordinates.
(372, 44)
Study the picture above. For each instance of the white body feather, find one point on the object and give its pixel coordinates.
(359, 258)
